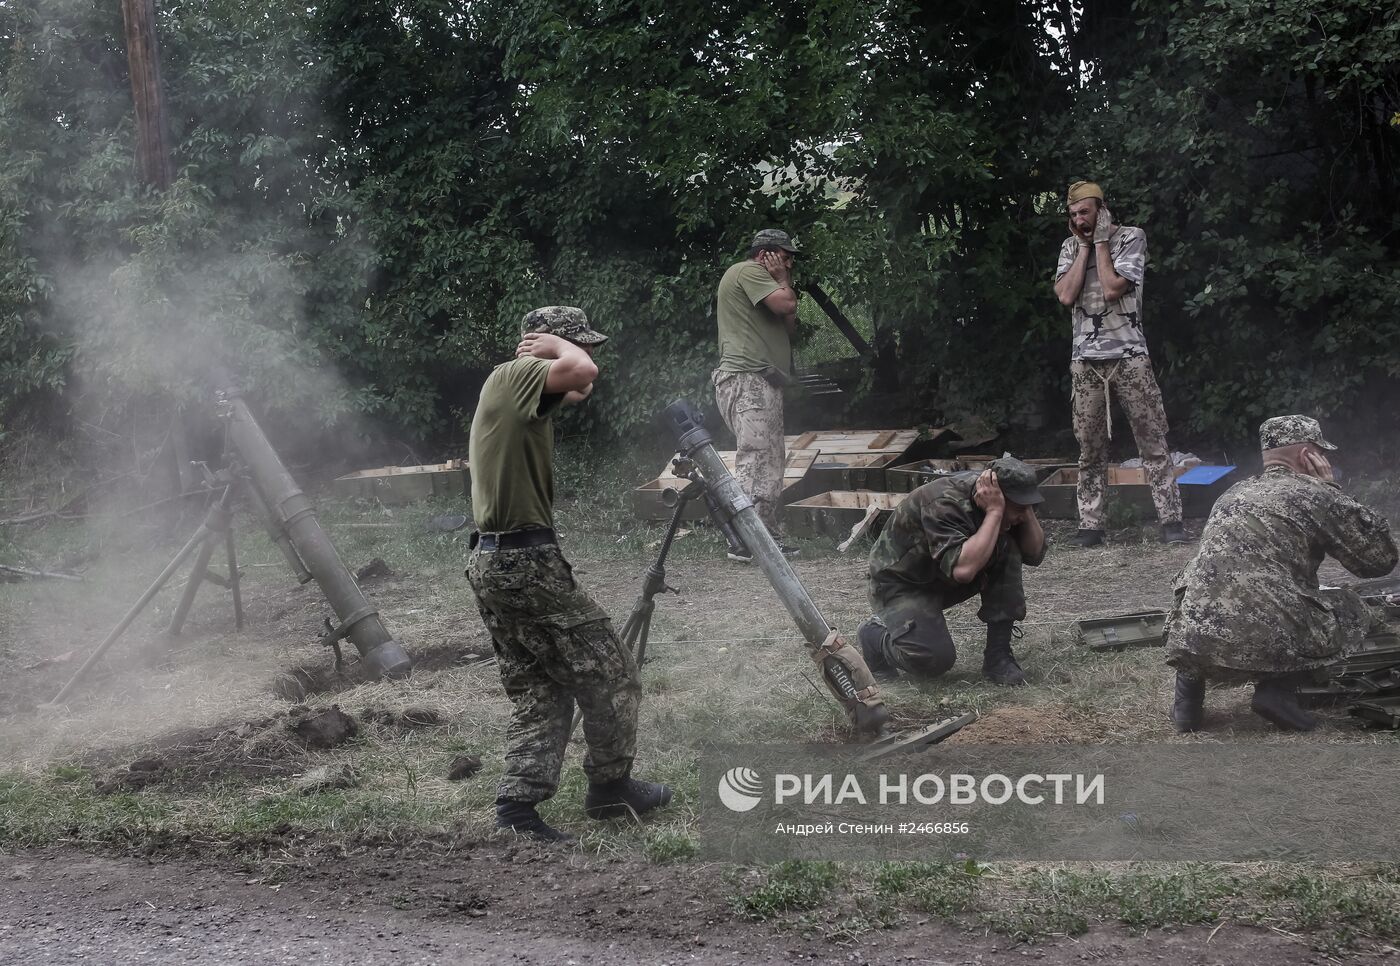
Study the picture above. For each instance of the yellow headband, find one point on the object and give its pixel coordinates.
(1084, 189)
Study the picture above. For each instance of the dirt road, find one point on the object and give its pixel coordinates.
(493, 906)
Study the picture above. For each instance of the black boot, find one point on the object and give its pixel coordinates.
(1189, 703)
(871, 634)
(624, 797)
(521, 818)
(998, 663)
(1174, 533)
(1086, 538)
(1276, 701)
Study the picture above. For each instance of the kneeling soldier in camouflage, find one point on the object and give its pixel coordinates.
(949, 540)
(554, 644)
(1248, 608)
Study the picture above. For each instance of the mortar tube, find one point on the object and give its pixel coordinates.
(696, 444)
(765, 549)
(294, 515)
(277, 535)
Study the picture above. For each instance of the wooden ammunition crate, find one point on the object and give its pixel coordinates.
(847, 471)
(834, 513)
(831, 442)
(907, 477)
(407, 484)
(647, 499)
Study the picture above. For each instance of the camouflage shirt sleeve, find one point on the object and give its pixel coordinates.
(948, 523)
(1357, 536)
(1130, 257)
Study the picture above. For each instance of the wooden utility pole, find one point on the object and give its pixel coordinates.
(143, 61)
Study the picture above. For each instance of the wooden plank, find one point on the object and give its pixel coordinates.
(804, 441)
(883, 439)
(852, 500)
(871, 512)
(799, 462)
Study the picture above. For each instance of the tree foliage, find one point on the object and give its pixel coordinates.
(370, 195)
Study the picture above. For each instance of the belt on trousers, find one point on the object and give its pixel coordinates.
(512, 539)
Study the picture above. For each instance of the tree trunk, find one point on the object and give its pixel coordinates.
(143, 60)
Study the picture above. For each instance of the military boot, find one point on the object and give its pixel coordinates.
(1276, 701)
(1086, 538)
(521, 818)
(1174, 533)
(1189, 703)
(871, 635)
(626, 796)
(998, 663)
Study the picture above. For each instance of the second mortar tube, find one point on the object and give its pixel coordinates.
(695, 442)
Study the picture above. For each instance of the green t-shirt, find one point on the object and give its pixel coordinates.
(512, 448)
(751, 338)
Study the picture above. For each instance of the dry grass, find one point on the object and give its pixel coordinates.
(725, 667)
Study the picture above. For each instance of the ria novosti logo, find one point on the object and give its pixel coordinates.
(740, 789)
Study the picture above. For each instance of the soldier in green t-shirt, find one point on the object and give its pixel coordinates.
(554, 644)
(756, 310)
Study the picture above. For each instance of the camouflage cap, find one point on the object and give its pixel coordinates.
(1279, 431)
(1018, 481)
(565, 321)
(774, 238)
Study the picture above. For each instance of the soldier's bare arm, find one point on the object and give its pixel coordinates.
(1069, 285)
(1115, 286)
(977, 549)
(783, 302)
(1030, 538)
(571, 368)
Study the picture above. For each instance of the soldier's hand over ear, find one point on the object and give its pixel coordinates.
(541, 345)
(988, 493)
(1085, 239)
(1103, 227)
(1318, 466)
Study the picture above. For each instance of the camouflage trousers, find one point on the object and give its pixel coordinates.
(554, 646)
(1131, 381)
(753, 410)
(918, 641)
(1335, 624)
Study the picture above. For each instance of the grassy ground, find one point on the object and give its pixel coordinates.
(726, 667)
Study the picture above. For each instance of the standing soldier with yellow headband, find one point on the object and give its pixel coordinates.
(1099, 278)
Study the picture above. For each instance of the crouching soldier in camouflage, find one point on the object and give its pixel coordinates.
(554, 644)
(949, 540)
(1248, 608)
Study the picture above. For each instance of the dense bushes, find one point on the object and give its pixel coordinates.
(370, 195)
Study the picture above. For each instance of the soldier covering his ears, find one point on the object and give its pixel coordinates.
(1248, 608)
(554, 644)
(963, 536)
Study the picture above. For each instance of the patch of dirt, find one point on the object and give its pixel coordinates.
(374, 569)
(463, 767)
(269, 747)
(1020, 724)
(492, 903)
(307, 680)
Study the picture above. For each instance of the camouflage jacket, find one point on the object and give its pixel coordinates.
(923, 539)
(1250, 599)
